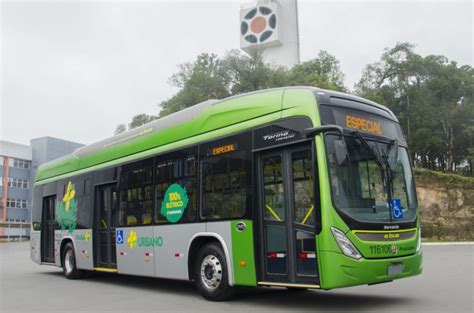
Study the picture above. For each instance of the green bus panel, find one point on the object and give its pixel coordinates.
(243, 253)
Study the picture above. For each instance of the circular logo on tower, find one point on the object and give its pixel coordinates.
(258, 25)
(174, 203)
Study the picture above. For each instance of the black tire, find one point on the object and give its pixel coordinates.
(69, 263)
(213, 285)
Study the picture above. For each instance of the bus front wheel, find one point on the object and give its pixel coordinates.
(211, 275)
(69, 263)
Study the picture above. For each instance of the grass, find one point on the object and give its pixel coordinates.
(447, 179)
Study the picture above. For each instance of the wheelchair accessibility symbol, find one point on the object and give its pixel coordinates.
(119, 236)
(397, 212)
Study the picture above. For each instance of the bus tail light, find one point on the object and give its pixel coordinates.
(345, 244)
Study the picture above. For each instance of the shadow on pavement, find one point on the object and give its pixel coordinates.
(279, 298)
(319, 299)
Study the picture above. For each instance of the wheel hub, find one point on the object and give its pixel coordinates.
(211, 272)
(69, 261)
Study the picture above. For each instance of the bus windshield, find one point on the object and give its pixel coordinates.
(360, 186)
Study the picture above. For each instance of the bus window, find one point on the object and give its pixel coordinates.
(303, 187)
(226, 179)
(273, 189)
(135, 194)
(176, 168)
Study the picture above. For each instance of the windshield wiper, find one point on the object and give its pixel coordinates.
(390, 171)
(384, 171)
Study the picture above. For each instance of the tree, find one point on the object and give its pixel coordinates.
(204, 79)
(210, 77)
(120, 129)
(141, 119)
(323, 71)
(250, 73)
(432, 98)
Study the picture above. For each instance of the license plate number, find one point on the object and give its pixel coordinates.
(395, 269)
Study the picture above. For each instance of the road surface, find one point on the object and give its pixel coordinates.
(446, 285)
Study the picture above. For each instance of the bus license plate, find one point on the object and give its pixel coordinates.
(395, 269)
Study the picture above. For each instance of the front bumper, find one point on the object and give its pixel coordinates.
(339, 270)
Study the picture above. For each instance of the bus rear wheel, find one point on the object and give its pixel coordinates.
(211, 275)
(69, 263)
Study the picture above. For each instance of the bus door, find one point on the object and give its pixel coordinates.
(287, 219)
(47, 230)
(104, 226)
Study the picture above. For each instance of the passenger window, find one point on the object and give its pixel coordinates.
(303, 187)
(176, 187)
(273, 189)
(226, 178)
(136, 194)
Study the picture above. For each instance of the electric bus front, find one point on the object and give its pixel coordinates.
(370, 213)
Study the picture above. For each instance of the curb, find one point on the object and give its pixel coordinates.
(452, 243)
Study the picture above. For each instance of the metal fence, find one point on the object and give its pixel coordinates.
(11, 231)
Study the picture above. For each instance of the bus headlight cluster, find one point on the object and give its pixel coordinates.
(345, 244)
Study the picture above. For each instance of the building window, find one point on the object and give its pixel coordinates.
(18, 183)
(19, 163)
(17, 203)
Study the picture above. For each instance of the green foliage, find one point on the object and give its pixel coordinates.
(432, 97)
(250, 73)
(209, 77)
(120, 129)
(449, 181)
(137, 120)
(323, 71)
(141, 119)
(205, 78)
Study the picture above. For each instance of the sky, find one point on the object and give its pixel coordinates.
(75, 70)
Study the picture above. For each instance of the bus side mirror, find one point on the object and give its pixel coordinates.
(340, 152)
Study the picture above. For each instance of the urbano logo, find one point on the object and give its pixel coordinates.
(134, 240)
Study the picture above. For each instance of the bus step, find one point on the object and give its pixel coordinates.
(269, 283)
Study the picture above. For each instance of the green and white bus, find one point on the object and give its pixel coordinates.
(294, 187)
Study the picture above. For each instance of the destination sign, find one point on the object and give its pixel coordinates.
(223, 149)
(363, 124)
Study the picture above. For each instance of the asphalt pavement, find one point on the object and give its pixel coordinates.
(446, 285)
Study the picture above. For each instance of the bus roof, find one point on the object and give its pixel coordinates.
(197, 119)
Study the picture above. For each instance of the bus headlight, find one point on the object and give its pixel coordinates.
(345, 244)
(418, 243)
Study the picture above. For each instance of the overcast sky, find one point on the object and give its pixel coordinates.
(74, 70)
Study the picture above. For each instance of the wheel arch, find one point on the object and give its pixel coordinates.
(64, 241)
(199, 240)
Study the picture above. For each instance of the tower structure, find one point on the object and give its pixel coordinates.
(271, 27)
